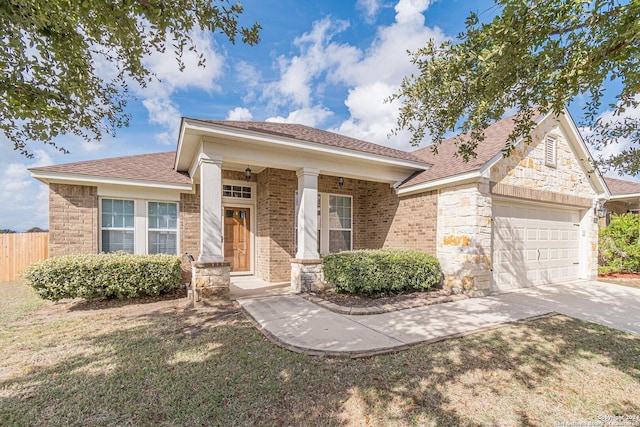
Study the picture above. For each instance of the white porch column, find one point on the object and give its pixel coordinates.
(307, 214)
(210, 208)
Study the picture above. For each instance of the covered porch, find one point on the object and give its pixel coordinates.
(271, 205)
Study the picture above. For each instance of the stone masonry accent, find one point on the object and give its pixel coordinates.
(464, 237)
(73, 219)
(306, 275)
(525, 167)
(210, 279)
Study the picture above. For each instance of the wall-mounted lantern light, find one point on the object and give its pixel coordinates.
(247, 174)
(340, 181)
(600, 210)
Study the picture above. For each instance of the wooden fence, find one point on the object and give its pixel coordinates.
(18, 250)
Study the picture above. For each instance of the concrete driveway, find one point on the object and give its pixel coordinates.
(610, 305)
(300, 325)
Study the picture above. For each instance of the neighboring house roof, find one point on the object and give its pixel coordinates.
(309, 134)
(446, 163)
(621, 186)
(157, 167)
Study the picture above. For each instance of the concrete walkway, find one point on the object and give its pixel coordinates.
(300, 325)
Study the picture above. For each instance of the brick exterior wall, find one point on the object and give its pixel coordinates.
(189, 230)
(380, 219)
(73, 219)
(275, 223)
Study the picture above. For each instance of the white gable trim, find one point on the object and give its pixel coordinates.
(257, 137)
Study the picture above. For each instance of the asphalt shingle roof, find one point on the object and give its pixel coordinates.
(156, 167)
(309, 134)
(446, 164)
(621, 186)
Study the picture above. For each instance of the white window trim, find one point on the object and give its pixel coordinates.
(177, 229)
(101, 228)
(230, 199)
(243, 203)
(551, 144)
(325, 229)
(140, 224)
(323, 225)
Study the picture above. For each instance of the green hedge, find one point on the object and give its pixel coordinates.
(117, 275)
(619, 245)
(381, 272)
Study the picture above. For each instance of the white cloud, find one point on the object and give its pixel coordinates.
(410, 11)
(312, 116)
(26, 201)
(623, 144)
(157, 97)
(239, 113)
(370, 9)
(318, 54)
(372, 118)
(369, 76)
(164, 112)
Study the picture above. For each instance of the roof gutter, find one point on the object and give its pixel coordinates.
(442, 182)
(48, 177)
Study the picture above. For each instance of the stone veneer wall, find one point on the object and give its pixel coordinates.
(464, 237)
(525, 167)
(73, 219)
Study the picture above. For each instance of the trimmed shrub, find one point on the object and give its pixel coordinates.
(620, 245)
(381, 272)
(115, 275)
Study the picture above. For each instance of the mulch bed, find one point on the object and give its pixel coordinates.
(622, 277)
(349, 300)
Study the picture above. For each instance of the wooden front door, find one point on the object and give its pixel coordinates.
(237, 249)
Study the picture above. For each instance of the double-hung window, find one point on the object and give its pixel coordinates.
(163, 228)
(139, 226)
(118, 218)
(339, 223)
(335, 218)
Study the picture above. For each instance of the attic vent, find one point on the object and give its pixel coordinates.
(550, 151)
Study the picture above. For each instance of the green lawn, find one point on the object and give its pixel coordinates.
(161, 364)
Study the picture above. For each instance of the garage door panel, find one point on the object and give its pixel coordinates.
(533, 245)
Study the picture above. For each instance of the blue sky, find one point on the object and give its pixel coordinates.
(326, 64)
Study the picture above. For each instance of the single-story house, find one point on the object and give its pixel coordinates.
(625, 197)
(269, 199)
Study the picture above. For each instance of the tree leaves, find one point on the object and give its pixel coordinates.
(533, 56)
(50, 51)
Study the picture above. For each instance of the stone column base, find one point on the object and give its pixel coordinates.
(306, 275)
(210, 280)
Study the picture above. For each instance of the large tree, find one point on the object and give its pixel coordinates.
(50, 83)
(534, 55)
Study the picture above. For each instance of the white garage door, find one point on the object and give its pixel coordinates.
(533, 245)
